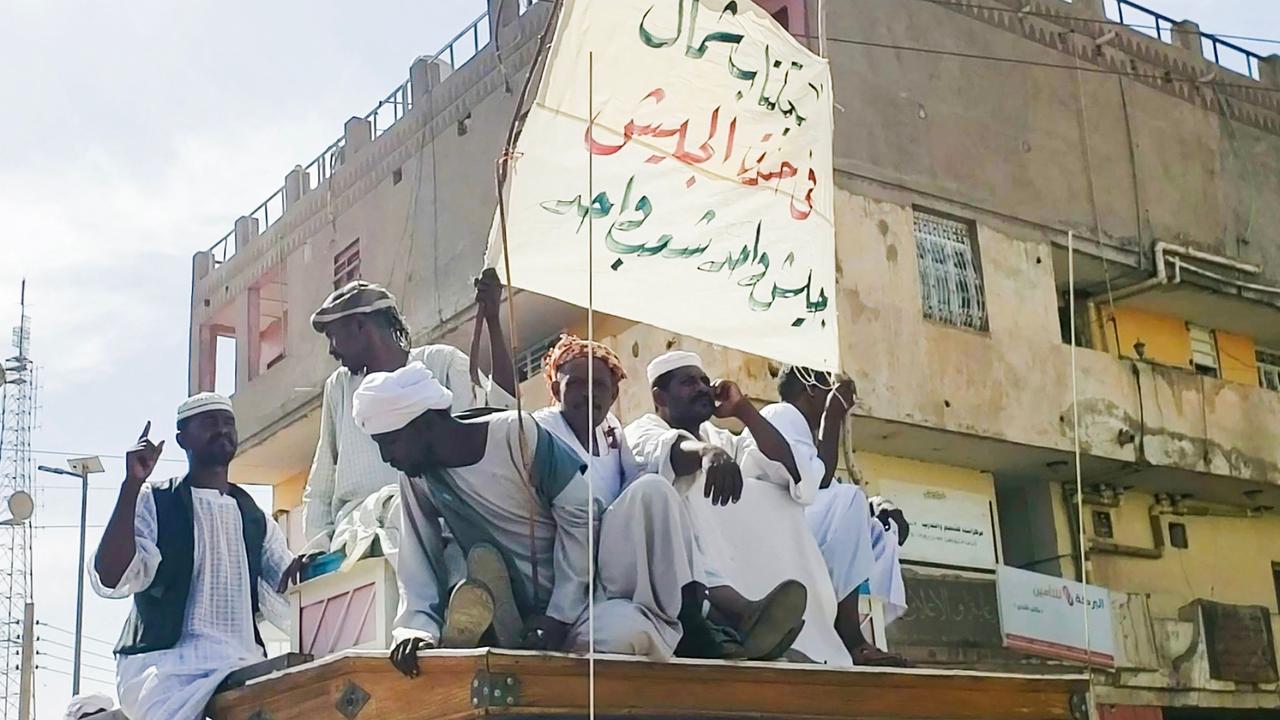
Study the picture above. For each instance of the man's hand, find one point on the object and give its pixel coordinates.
(723, 483)
(294, 571)
(544, 633)
(900, 520)
(729, 398)
(489, 293)
(843, 397)
(404, 656)
(141, 459)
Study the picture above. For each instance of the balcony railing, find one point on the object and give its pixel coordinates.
(1222, 52)
(398, 103)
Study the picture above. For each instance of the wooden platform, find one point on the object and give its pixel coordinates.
(479, 683)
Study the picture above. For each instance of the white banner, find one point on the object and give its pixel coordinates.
(686, 144)
(1044, 615)
(948, 527)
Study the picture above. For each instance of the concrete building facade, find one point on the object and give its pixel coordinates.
(976, 144)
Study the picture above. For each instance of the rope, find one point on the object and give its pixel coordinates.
(1075, 423)
(501, 171)
(591, 405)
(1093, 202)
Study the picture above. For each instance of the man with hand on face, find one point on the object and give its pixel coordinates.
(647, 550)
(749, 516)
(855, 546)
(199, 557)
(515, 500)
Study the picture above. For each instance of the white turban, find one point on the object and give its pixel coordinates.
(386, 402)
(204, 402)
(670, 361)
(85, 706)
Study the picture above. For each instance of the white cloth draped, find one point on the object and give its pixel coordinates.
(762, 539)
(217, 629)
(647, 552)
(347, 469)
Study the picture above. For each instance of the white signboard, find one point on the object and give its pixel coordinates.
(685, 145)
(1045, 615)
(948, 527)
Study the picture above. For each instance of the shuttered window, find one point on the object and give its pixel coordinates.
(1204, 351)
(1269, 369)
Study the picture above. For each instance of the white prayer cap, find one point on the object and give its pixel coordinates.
(84, 706)
(670, 361)
(204, 402)
(386, 402)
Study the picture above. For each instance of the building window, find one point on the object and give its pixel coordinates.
(346, 264)
(1204, 351)
(1102, 527)
(1178, 535)
(1269, 369)
(950, 269)
(529, 362)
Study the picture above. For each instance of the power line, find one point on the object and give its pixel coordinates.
(1034, 63)
(1095, 21)
(40, 623)
(85, 651)
(64, 673)
(41, 653)
(67, 453)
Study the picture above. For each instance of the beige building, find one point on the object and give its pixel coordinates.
(975, 143)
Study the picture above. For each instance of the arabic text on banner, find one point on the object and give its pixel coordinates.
(709, 203)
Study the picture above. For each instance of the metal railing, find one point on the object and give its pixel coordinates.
(1222, 52)
(468, 40)
(398, 103)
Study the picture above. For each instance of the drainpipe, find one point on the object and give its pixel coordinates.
(1182, 251)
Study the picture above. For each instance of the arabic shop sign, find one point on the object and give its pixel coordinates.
(1045, 615)
(686, 146)
(948, 527)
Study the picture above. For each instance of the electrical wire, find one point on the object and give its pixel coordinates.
(1094, 21)
(108, 643)
(1163, 78)
(72, 648)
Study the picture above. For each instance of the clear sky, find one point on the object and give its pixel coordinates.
(134, 133)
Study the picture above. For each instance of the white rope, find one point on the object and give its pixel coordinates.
(591, 418)
(1075, 422)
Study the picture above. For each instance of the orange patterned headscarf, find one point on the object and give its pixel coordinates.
(572, 347)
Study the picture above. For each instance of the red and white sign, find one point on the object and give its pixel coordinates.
(1046, 616)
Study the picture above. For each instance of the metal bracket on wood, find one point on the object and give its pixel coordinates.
(494, 690)
(352, 700)
(1079, 706)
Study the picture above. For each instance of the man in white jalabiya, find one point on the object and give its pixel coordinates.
(516, 502)
(352, 497)
(762, 539)
(646, 532)
(856, 547)
(200, 559)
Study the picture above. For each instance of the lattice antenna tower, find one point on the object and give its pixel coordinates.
(16, 470)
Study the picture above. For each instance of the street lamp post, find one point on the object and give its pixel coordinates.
(80, 468)
(21, 506)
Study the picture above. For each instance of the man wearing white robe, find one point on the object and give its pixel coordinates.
(762, 538)
(516, 502)
(352, 497)
(840, 516)
(647, 549)
(168, 668)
